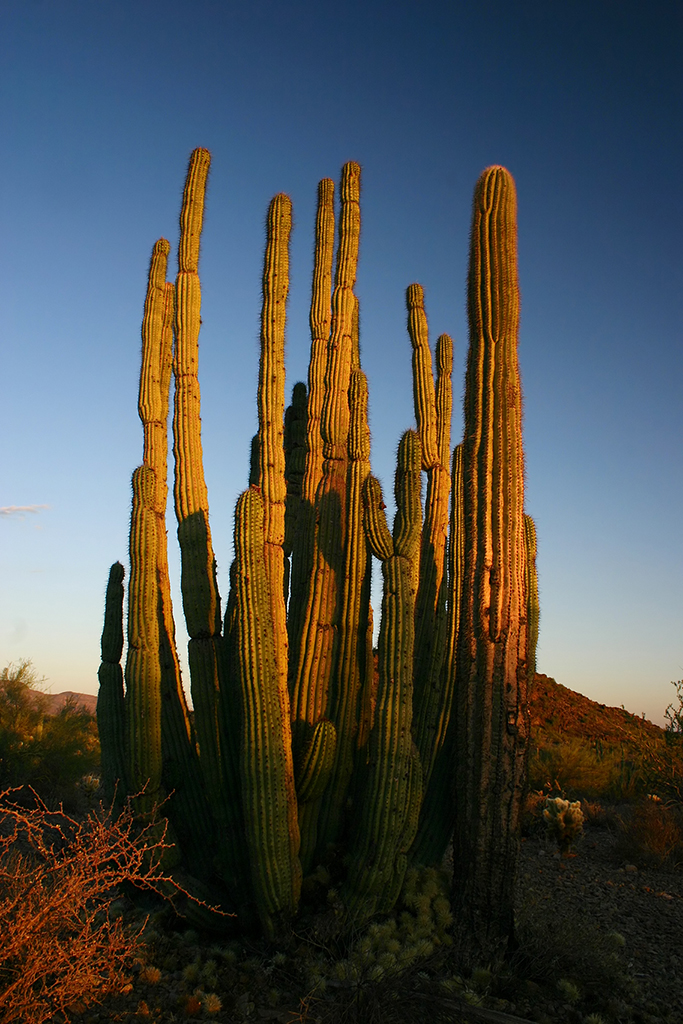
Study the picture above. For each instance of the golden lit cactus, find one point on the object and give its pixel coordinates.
(143, 668)
(533, 609)
(186, 805)
(272, 484)
(491, 701)
(334, 758)
(201, 600)
(265, 751)
(320, 320)
(313, 655)
(352, 672)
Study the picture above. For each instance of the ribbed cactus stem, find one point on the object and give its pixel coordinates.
(180, 772)
(143, 669)
(271, 413)
(424, 396)
(320, 321)
(266, 767)
(201, 601)
(491, 707)
(349, 677)
(110, 713)
(434, 725)
(335, 411)
(313, 661)
(533, 608)
(388, 815)
(433, 406)
(271, 410)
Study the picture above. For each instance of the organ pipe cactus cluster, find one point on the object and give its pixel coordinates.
(300, 752)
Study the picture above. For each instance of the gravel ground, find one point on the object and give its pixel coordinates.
(644, 905)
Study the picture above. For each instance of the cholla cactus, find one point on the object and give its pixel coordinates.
(564, 821)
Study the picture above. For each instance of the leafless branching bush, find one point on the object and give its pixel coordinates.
(61, 947)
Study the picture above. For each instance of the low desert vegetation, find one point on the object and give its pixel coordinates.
(88, 925)
(57, 756)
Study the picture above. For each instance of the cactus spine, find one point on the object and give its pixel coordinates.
(492, 726)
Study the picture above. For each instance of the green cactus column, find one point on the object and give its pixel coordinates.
(201, 600)
(349, 676)
(437, 812)
(533, 608)
(187, 807)
(320, 320)
(433, 406)
(312, 661)
(313, 657)
(386, 821)
(110, 714)
(143, 668)
(272, 484)
(265, 754)
(491, 701)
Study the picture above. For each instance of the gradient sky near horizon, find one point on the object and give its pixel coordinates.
(102, 104)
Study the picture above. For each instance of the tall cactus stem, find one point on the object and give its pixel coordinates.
(491, 706)
(350, 669)
(267, 780)
(271, 412)
(387, 817)
(533, 608)
(320, 321)
(312, 665)
(143, 669)
(110, 707)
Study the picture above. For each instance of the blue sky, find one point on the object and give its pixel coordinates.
(102, 104)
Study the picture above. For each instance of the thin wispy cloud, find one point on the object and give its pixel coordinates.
(20, 511)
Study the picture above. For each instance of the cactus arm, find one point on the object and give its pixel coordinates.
(266, 763)
(423, 381)
(491, 704)
(444, 397)
(316, 764)
(320, 320)
(376, 529)
(110, 706)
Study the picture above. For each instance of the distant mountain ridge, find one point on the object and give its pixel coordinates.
(557, 709)
(554, 707)
(54, 702)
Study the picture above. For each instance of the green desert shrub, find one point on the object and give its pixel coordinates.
(50, 753)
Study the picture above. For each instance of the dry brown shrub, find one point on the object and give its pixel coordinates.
(58, 877)
(652, 835)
